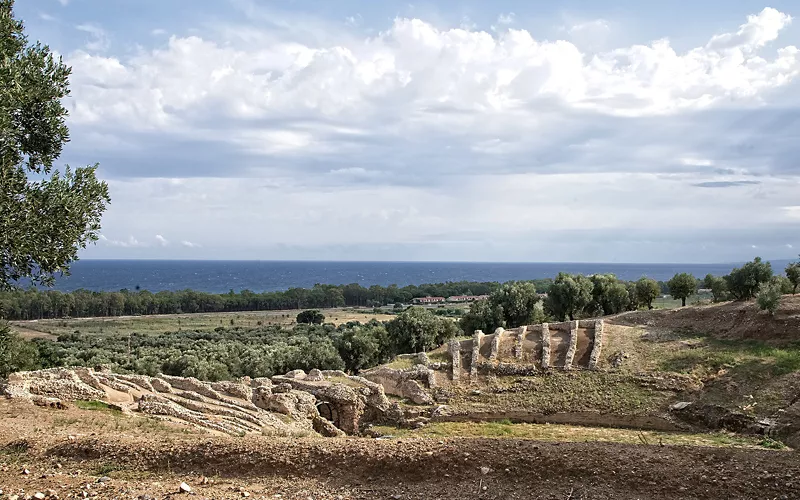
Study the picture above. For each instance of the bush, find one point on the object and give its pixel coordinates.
(15, 353)
(311, 317)
(769, 297)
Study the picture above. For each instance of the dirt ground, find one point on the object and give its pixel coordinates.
(728, 320)
(114, 456)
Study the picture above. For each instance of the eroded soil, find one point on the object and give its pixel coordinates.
(136, 460)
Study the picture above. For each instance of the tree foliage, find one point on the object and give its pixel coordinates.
(682, 286)
(718, 286)
(311, 317)
(769, 296)
(793, 274)
(484, 316)
(744, 282)
(647, 290)
(609, 295)
(43, 223)
(15, 353)
(516, 302)
(417, 329)
(569, 296)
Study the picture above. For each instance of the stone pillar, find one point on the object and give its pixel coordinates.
(545, 346)
(454, 349)
(597, 344)
(518, 343)
(498, 335)
(476, 354)
(573, 345)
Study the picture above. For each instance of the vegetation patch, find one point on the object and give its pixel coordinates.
(95, 405)
(567, 433)
(569, 392)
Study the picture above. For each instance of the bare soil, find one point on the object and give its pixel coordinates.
(728, 320)
(135, 461)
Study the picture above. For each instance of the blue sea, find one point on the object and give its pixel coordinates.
(259, 276)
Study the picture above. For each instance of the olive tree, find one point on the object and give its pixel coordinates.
(45, 216)
(647, 290)
(793, 273)
(568, 296)
(744, 282)
(682, 286)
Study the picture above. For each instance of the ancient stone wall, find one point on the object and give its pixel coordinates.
(509, 352)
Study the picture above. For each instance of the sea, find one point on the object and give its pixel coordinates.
(217, 276)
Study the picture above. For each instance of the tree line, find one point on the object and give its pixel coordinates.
(52, 304)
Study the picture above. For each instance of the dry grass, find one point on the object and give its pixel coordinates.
(176, 322)
(566, 433)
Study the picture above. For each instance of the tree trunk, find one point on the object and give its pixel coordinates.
(683, 302)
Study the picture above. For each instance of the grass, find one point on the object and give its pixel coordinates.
(94, 405)
(176, 322)
(567, 433)
(564, 392)
(400, 363)
(752, 356)
(105, 469)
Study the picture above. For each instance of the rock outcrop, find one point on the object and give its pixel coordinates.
(286, 405)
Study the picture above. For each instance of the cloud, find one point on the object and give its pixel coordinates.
(64, 2)
(725, 184)
(162, 241)
(158, 32)
(47, 17)
(506, 18)
(189, 244)
(131, 242)
(593, 25)
(407, 138)
(98, 41)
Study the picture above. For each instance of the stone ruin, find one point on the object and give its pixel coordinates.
(528, 350)
(330, 403)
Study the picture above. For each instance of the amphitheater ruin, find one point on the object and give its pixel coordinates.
(330, 403)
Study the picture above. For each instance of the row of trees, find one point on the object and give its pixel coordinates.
(570, 296)
(36, 304)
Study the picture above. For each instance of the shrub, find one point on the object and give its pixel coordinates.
(769, 297)
(311, 317)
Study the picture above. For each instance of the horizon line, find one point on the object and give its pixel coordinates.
(367, 261)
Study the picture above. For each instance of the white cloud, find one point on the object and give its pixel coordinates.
(98, 41)
(47, 17)
(506, 18)
(131, 242)
(158, 32)
(353, 21)
(423, 135)
(593, 25)
(162, 241)
(64, 2)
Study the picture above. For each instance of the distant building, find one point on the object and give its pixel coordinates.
(467, 298)
(429, 300)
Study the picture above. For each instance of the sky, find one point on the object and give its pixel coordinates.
(571, 131)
